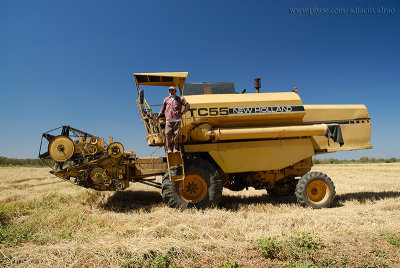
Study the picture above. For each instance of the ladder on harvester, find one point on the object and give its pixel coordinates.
(156, 137)
(175, 166)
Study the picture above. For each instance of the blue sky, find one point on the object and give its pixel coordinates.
(71, 62)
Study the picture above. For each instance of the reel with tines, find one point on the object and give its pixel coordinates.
(61, 148)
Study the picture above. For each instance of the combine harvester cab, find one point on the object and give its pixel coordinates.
(260, 140)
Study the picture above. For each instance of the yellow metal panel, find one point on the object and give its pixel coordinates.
(213, 109)
(203, 147)
(248, 99)
(175, 163)
(356, 136)
(324, 113)
(256, 155)
(149, 166)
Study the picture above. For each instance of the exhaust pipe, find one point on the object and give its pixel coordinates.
(257, 84)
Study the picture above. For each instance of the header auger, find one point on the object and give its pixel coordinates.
(260, 140)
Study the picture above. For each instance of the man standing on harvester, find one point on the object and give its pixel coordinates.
(172, 108)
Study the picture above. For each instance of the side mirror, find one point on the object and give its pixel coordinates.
(141, 96)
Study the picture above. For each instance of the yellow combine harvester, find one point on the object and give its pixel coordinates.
(260, 140)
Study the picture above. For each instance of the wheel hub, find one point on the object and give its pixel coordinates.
(318, 191)
(314, 191)
(193, 188)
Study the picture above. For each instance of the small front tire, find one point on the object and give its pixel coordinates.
(316, 190)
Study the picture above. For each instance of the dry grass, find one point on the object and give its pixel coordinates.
(48, 222)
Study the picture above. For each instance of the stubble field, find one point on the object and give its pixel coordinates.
(46, 222)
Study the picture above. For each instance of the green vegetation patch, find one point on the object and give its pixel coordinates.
(297, 247)
(393, 238)
(305, 250)
(154, 258)
(231, 264)
(150, 259)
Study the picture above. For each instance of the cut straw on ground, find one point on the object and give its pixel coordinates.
(45, 222)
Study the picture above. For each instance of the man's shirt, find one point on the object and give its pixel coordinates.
(172, 107)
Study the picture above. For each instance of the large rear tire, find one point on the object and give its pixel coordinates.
(316, 190)
(202, 187)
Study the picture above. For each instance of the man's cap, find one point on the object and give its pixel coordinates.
(174, 88)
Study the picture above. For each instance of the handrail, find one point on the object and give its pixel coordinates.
(148, 118)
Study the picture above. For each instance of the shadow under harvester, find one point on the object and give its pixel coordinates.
(125, 201)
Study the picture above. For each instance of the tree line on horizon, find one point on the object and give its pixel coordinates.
(362, 160)
(33, 162)
(27, 162)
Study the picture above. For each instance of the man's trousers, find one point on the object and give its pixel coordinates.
(172, 135)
